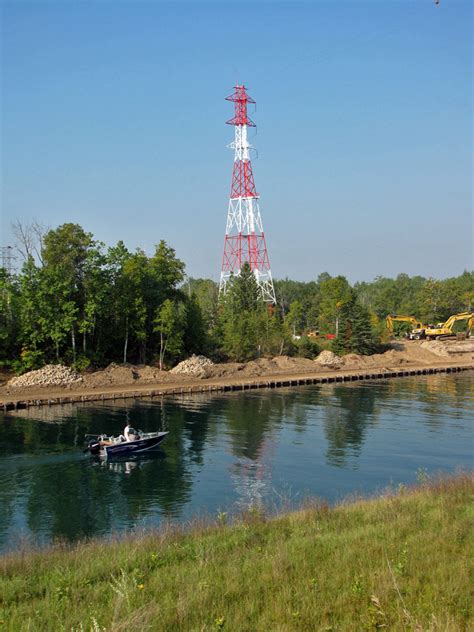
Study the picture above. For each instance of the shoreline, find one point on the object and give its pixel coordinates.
(58, 396)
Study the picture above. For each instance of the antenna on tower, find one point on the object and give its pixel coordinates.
(244, 236)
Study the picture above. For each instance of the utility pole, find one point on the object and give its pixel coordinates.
(244, 237)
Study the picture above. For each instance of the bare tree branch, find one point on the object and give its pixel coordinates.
(39, 231)
(29, 238)
(24, 239)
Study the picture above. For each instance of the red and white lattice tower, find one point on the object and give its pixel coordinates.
(244, 238)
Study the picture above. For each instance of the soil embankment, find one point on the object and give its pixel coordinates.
(123, 380)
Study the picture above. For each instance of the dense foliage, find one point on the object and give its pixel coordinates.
(248, 327)
(76, 301)
(83, 303)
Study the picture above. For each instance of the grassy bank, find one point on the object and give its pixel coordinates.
(399, 562)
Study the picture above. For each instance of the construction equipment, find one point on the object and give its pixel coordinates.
(445, 330)
(418, 329)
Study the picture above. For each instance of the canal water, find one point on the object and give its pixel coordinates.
(227, 452)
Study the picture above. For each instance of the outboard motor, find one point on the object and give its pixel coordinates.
(93, 443)
(94, 446)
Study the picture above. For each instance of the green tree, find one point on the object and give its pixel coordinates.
(30, 310)
(248, 326)
(335, 292)
(244, 292)
(9, 324)
(431, 300)
(465, 285)
(355, 331)
(206, 293)
(242, 316)
(135, 286)
(274, 337)
(57, 311)
(195, 338)
(95, 295)
(170, 324)
(294, 317)
(68, 254)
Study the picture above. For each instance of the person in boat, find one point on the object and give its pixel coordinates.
(129, 433)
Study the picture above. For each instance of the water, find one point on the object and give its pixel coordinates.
(226, 452)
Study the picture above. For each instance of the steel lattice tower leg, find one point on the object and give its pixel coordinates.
(244, 237)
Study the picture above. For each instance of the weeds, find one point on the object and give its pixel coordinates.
(422, 476)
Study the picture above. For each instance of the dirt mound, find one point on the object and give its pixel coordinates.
(423, 352)
(391, 358)
(403, 354)
(287, 363)
(354, 361)
(196, 365)
(437, 347)
(150, 374)
(112, 375)
(329, 359)
(49, 375)
(271, 366)
(122, 374)
(262, 366)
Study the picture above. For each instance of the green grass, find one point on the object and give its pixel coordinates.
(399, 562)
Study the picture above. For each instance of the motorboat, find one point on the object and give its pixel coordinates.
(109, 446)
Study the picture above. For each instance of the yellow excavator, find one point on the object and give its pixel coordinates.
(418, 329)
(445, 330)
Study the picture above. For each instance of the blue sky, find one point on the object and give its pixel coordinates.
(113, 116)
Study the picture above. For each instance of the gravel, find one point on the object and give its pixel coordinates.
(329, 359)
(196, 365)
(49, 375)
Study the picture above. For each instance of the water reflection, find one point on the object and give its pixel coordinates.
(347, 421)
(225, 450)
(127, 465)
(252, 482)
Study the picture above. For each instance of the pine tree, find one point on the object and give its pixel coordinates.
(245, 293)
(355, 329)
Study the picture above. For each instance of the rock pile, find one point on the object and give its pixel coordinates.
(196, 365)
(49, 375)
(329, 359)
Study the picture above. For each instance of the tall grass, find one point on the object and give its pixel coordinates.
(399, 562)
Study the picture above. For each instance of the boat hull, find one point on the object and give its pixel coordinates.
(135, 447)
(126, 448)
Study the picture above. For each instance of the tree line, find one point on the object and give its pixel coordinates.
(79, 302)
